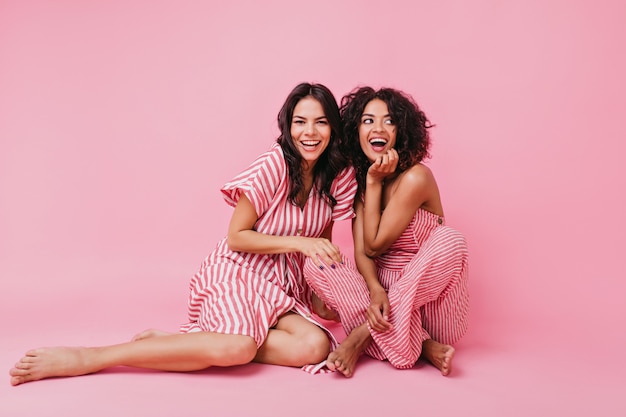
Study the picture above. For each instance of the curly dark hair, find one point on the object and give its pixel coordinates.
(332, 160)
(412, 137)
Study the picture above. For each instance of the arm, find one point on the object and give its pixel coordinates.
(378, 312)
(408, 194)
(243, 238)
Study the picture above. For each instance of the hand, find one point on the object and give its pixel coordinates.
(384, 166)
(321, 251)
(378, 311)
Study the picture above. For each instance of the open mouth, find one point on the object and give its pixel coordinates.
(310, 144)
(378, 144)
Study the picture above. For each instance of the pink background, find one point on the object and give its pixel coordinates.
(120, 120)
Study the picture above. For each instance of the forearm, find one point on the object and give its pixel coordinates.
(255, 242)
(372, 216)
(367, 268)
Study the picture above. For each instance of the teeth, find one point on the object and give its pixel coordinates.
(378, 141)
(310, 143)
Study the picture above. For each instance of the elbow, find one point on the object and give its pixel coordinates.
(233, 243)
(371, 252)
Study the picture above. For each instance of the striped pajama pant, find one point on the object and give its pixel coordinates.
(428, 297)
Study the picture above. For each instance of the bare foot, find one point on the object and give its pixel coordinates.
(322, 310)
(439, 355)
(345, 357)
(146, 334)
(50, 362)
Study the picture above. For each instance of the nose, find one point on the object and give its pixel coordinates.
(310, 128)
(378, 125)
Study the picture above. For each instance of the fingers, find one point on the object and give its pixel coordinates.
(385, 312)
(325, 253)
(377, 320)
(390, 159)
(385, 164)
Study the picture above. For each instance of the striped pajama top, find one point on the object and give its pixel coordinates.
(245, 293)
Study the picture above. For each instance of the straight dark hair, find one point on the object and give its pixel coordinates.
(331, 162)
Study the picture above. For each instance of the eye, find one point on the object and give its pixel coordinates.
(367, 121)
(389, 122)
(298, 122)
(322, 122)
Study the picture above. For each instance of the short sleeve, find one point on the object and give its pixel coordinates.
(259, 181)
(344, 189)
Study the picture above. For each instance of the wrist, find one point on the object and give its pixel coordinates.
(371, 180)
(377, 288)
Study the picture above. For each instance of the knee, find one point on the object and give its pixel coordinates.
(239, 351)
(452, 237)
(314, 347)
(310, 266)
(245, 350)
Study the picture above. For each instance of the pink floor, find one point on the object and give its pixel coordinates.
(498, 370)
(121, 119)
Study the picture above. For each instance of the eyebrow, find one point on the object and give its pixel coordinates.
(372, 115)
(302, 117)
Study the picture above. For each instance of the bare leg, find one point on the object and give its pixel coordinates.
(345, 357)
(294, 341)
(150, 333)
(173, 352)
(322, 310)
(439, 355)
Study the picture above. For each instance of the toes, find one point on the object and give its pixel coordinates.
(344, 369)
(140, 336)
(446, 366)
(18, 372)
(27, 359)
(17, 380)
(22, 365)
(32, 353)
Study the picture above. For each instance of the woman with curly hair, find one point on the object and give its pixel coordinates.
(409, 297)
(249, 301)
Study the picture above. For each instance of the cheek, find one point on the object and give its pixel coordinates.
(363, 133)
(326, 133)
(392, 133)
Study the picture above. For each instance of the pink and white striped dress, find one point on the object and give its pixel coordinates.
(425, 273)
(245, 293)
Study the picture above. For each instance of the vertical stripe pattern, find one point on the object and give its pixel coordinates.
(425, 273)
(245, 293)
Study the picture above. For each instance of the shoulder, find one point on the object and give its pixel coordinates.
(417, 184)
(269, 167)
(275, 152)
(348, 173)
(273, 159)
(345, 181)
(417, 177)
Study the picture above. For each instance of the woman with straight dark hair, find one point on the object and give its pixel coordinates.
(249, 301)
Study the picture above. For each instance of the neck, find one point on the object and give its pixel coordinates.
(307, 166)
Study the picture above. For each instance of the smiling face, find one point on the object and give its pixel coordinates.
(377, 130)
(310, 130)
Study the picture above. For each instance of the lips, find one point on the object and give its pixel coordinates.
(378, 144)
(310, 143)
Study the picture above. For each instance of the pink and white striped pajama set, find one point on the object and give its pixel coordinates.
(425, 273)
(245, 293)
